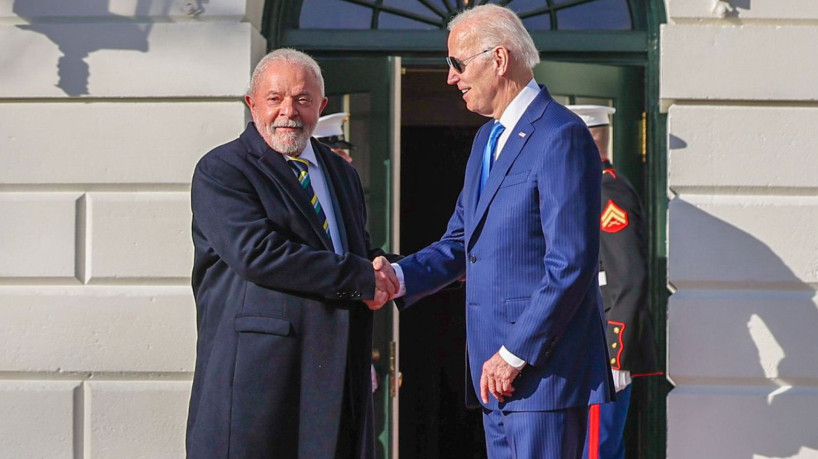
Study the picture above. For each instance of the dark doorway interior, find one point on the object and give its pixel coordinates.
(436, 137)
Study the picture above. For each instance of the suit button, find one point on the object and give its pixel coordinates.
(473, 259)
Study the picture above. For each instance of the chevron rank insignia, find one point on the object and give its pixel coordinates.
(614, 219)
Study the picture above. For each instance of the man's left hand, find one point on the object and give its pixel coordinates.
(497, 379)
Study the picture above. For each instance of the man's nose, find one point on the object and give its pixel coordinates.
(452, 77)
(287, 108)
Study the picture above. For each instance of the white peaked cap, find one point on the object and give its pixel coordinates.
(330, 125)
(593, 115)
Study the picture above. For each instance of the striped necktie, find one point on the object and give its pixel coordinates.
(488, 153)
(301, 166)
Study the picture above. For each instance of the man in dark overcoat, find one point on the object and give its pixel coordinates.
(283, 268)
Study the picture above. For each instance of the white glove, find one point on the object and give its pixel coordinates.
(622, 379)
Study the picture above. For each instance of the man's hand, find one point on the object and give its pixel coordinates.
(386, 283)
(497, 378)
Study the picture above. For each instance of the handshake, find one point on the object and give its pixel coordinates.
(386, 283)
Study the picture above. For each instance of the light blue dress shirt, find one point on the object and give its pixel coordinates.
(319, 185)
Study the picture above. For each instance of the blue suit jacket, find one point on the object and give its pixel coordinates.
(529, 247)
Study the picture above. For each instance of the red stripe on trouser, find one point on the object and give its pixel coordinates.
(593, 432)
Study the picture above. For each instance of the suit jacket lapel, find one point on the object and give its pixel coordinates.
(517, 139)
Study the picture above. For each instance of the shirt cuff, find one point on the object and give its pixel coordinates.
(512, 359)
(399, 273)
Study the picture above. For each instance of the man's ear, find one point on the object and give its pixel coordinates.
(500, 55)
(323, 105)
(248, 99)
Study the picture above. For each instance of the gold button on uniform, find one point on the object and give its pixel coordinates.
(613, 361)
(616, 330)
(613, 345)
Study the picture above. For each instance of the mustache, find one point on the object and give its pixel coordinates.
(288, 124)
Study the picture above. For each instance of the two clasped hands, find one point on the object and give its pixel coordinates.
(498, 375)
(387, 284)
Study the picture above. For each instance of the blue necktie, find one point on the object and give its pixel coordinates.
(488, 153)
(300, 166)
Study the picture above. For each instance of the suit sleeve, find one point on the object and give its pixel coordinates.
(624, 259)
(568, 184)
(229, 216)
(439, 264)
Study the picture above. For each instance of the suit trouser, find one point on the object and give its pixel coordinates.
(554, 434)
(606, 428)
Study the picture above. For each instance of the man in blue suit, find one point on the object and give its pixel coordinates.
(525, 233)
(282, 264)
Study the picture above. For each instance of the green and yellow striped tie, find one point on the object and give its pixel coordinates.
(301, 166)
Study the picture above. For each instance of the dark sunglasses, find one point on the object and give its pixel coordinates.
(459, 65)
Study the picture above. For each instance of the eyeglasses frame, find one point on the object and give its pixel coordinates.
(459, 66)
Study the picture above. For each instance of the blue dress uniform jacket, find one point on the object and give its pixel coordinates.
(278, 311)
(530, 249)
(623, 260)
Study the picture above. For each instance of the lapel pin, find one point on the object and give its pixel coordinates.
(521, 134)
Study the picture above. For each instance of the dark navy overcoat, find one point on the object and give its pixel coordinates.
(277, 308)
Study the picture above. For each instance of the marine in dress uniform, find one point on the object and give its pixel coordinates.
(623, 281)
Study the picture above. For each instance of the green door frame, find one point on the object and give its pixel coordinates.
(635, 47)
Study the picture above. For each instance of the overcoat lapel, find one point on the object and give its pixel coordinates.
(514, 146)
(274, 164)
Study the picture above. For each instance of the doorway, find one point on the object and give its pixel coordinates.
(436, 138)
(414, 135)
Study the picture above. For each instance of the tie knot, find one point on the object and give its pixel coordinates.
(300, 164)
(496, 130)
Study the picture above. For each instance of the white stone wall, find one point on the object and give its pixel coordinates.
(105, 106)
(739, 81)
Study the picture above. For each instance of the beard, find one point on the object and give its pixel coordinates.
(288, 143)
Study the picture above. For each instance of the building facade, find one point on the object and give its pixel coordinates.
(97, 323)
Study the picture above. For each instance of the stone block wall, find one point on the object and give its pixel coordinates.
(105, 107)
(738, 81)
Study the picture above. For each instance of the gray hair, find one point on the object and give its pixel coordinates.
(494, 25)
(290, 56)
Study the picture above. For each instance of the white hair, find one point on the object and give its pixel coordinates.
(494, 25)
(290, 56)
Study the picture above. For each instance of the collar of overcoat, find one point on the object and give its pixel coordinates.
(275, 166)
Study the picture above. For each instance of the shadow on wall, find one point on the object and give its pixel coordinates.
(95, 28)
(743, 335)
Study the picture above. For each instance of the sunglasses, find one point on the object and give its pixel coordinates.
(459, 65)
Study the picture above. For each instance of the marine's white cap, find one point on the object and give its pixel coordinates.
(593, 115)
(330, 125)
(329, 130)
